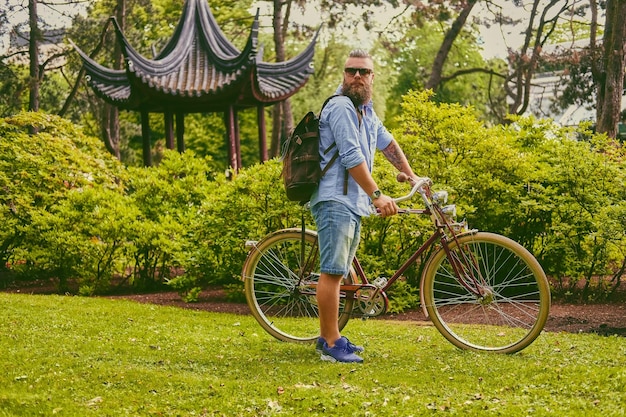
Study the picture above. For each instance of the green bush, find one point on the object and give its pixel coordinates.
(247, 207)
(584, 247)
(532, 181)
(73, 213)
(37, 173)
(169, 197)
(77, 215)
(84, 238)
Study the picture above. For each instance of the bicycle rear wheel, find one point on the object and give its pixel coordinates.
(280, 284)
(514, 299)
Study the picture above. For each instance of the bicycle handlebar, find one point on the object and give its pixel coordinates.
(417, 186)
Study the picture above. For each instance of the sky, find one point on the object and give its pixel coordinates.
(52, 18)
(494, 42)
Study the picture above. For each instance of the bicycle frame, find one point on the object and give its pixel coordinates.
(436, 236)
(466, 276)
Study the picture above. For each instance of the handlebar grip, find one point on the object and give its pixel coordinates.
(402, 177)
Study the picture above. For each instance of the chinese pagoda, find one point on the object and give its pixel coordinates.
(199, 71)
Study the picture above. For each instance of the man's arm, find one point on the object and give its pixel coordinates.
(394, 154)
(384, 203)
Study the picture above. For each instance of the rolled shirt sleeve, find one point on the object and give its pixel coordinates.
(344, 124)
(356, 143)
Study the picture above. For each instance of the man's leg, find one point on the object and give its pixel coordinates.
(338, 237)
(328, 304)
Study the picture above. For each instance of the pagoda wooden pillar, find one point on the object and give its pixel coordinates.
(260, 116)
(145, 134)
(237, 138)
(180, 132)
(169, 129)
(232, 139)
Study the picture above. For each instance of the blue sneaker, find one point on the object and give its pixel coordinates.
(319, 346)
(341, 352)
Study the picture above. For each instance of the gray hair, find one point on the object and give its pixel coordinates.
(359, 53)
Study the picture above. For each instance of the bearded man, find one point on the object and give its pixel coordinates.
(347, 191)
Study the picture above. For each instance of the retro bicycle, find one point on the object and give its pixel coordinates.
(482, 291)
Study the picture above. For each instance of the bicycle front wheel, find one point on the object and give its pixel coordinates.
(497, 301)
(281, 278)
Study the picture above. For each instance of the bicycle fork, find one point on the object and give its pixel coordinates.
(467, 270)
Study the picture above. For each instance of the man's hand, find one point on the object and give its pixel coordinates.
(385, 205)
(413, 179)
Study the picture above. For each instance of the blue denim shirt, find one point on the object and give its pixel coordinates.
(356, 143)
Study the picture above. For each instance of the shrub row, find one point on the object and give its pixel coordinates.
(72, 213)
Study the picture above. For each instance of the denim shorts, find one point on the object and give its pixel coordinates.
(338, 231)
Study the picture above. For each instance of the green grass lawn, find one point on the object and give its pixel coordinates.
(72, 356)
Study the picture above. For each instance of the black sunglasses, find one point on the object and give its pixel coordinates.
(362, 71)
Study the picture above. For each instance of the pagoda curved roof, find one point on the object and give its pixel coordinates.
(198, 70)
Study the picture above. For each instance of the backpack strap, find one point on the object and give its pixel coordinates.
(334, 158)
(336, 155)
(307, 135)
(327, 100)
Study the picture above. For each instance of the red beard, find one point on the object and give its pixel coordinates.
(358, 91)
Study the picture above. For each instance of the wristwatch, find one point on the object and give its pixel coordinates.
(376, 194)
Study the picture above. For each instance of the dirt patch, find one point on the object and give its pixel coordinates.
(210, 300)
(603, 319)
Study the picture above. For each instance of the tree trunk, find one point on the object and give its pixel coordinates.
(33, 50)
(284, 124)
(611, 85)
(541, 25)
(442, 54)
(110, 122)
(109, 125)
(276, 128)
(596, 62)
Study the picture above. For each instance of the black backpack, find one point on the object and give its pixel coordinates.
(301, 158)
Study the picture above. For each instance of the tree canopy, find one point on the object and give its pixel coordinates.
(432, 40)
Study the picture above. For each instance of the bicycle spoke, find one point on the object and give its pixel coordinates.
(281, 292)
(502, 288)
(514, 320)
(275, 271)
